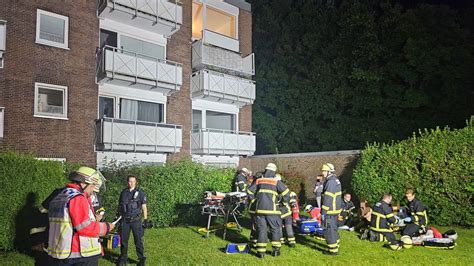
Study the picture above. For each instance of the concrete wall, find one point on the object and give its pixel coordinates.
(307, 166)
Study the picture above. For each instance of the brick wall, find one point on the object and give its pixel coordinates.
(27, 62)
(179, 107)
(307, 166)
(245, 36)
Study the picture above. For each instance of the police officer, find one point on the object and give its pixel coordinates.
(131, 204)
(381, 220)
(418, 216)
(266, 191)
(331, 208)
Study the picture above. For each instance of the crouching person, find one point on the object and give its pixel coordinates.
(418, 218)
(73, 230)
(381, 221)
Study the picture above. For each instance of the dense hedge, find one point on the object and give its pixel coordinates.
(24, 183)
(173, 191)
(438, 163)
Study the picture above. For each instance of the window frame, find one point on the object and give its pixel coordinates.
(64, 89)
(114, 100)
(64, 45)
(219, 7)
(118, 114)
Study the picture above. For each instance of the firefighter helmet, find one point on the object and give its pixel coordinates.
(271, 167)
(328, 167)
(451, 234)
(89, 176)
(308, 207)
(407, 242)
(395, 246)
(245, 170)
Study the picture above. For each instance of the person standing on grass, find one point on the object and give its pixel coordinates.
(132, 204)
(331, 208)
(73, 230)
(318, 189)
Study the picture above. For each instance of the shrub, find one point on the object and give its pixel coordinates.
(439, 164)
(24, 183)
(173, 191)
(296, 183)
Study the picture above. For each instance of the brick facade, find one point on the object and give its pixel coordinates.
(307, 166)
(27, 62)
(179, 106)
(245, 37)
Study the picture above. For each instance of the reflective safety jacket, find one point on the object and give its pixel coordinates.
(382, 217)
(241, 183)
(266, 192)
(73, 230)
(331, 200)
(285, 207)
(418, 212)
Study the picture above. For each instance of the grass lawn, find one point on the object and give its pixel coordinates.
(184, 246)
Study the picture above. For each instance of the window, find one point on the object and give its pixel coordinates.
(197, 119)
(141, 111)
(108, 38)
(3, 38)
(142, 47)
(106, 107)
(50, 101)
(216, 21)
(216, 120)
(52, 29)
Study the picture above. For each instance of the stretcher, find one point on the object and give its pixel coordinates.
(218, 204)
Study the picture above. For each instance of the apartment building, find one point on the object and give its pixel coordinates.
(128, 81)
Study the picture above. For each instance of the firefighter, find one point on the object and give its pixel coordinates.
(381, 222)
(286, 219)
(266, 191)
(73, 230)
(331, 208)
(417, 215)
(132, 204)
(39, 231)
(252, 205)
(346, 216)
(241, 180)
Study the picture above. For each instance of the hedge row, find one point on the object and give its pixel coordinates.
(24, 183)
(438, 163)
(173, 191)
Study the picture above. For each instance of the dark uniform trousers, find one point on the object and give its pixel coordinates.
(253, 231)
(274, 222)
(137, 230)
(330, 233)
(288, 230)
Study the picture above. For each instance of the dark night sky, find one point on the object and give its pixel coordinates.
(458, 4)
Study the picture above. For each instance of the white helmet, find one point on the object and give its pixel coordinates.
(407, 242)
(278, 177)
(271, 167)
(328, 167)
(308, 207)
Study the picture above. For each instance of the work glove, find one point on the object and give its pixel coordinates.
(408, 219)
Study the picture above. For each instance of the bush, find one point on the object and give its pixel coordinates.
(24, 183)
(296, 183)
(173, 191)
(439, 164)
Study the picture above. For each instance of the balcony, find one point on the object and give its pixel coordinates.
(218, 87)
(124, 68)
(160, 16)
(212, 57)
(206, 141)
(135, 136)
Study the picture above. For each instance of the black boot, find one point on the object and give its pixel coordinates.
(325, 252)
(276, 252)
(260, 255)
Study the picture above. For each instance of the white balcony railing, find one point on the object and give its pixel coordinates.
(219, 87)
(160, 16)
(208, 56)
(135, 136)
(122, 67)
(222, 142)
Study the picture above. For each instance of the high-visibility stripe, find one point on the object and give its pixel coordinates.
(325, 207)
(42, 210)
(333, 212)
(276, 244)
(285, 192)
(378, 214)
(82, 225)
(267, 212)
(286, 215)
(333, 245)
(249, 192)
(36, 230)
(267, 181)
(381, 229)
(261, 250)
(332, 195)
(261, 244)
(269, 191)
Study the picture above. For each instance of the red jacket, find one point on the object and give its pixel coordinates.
(85, 225)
